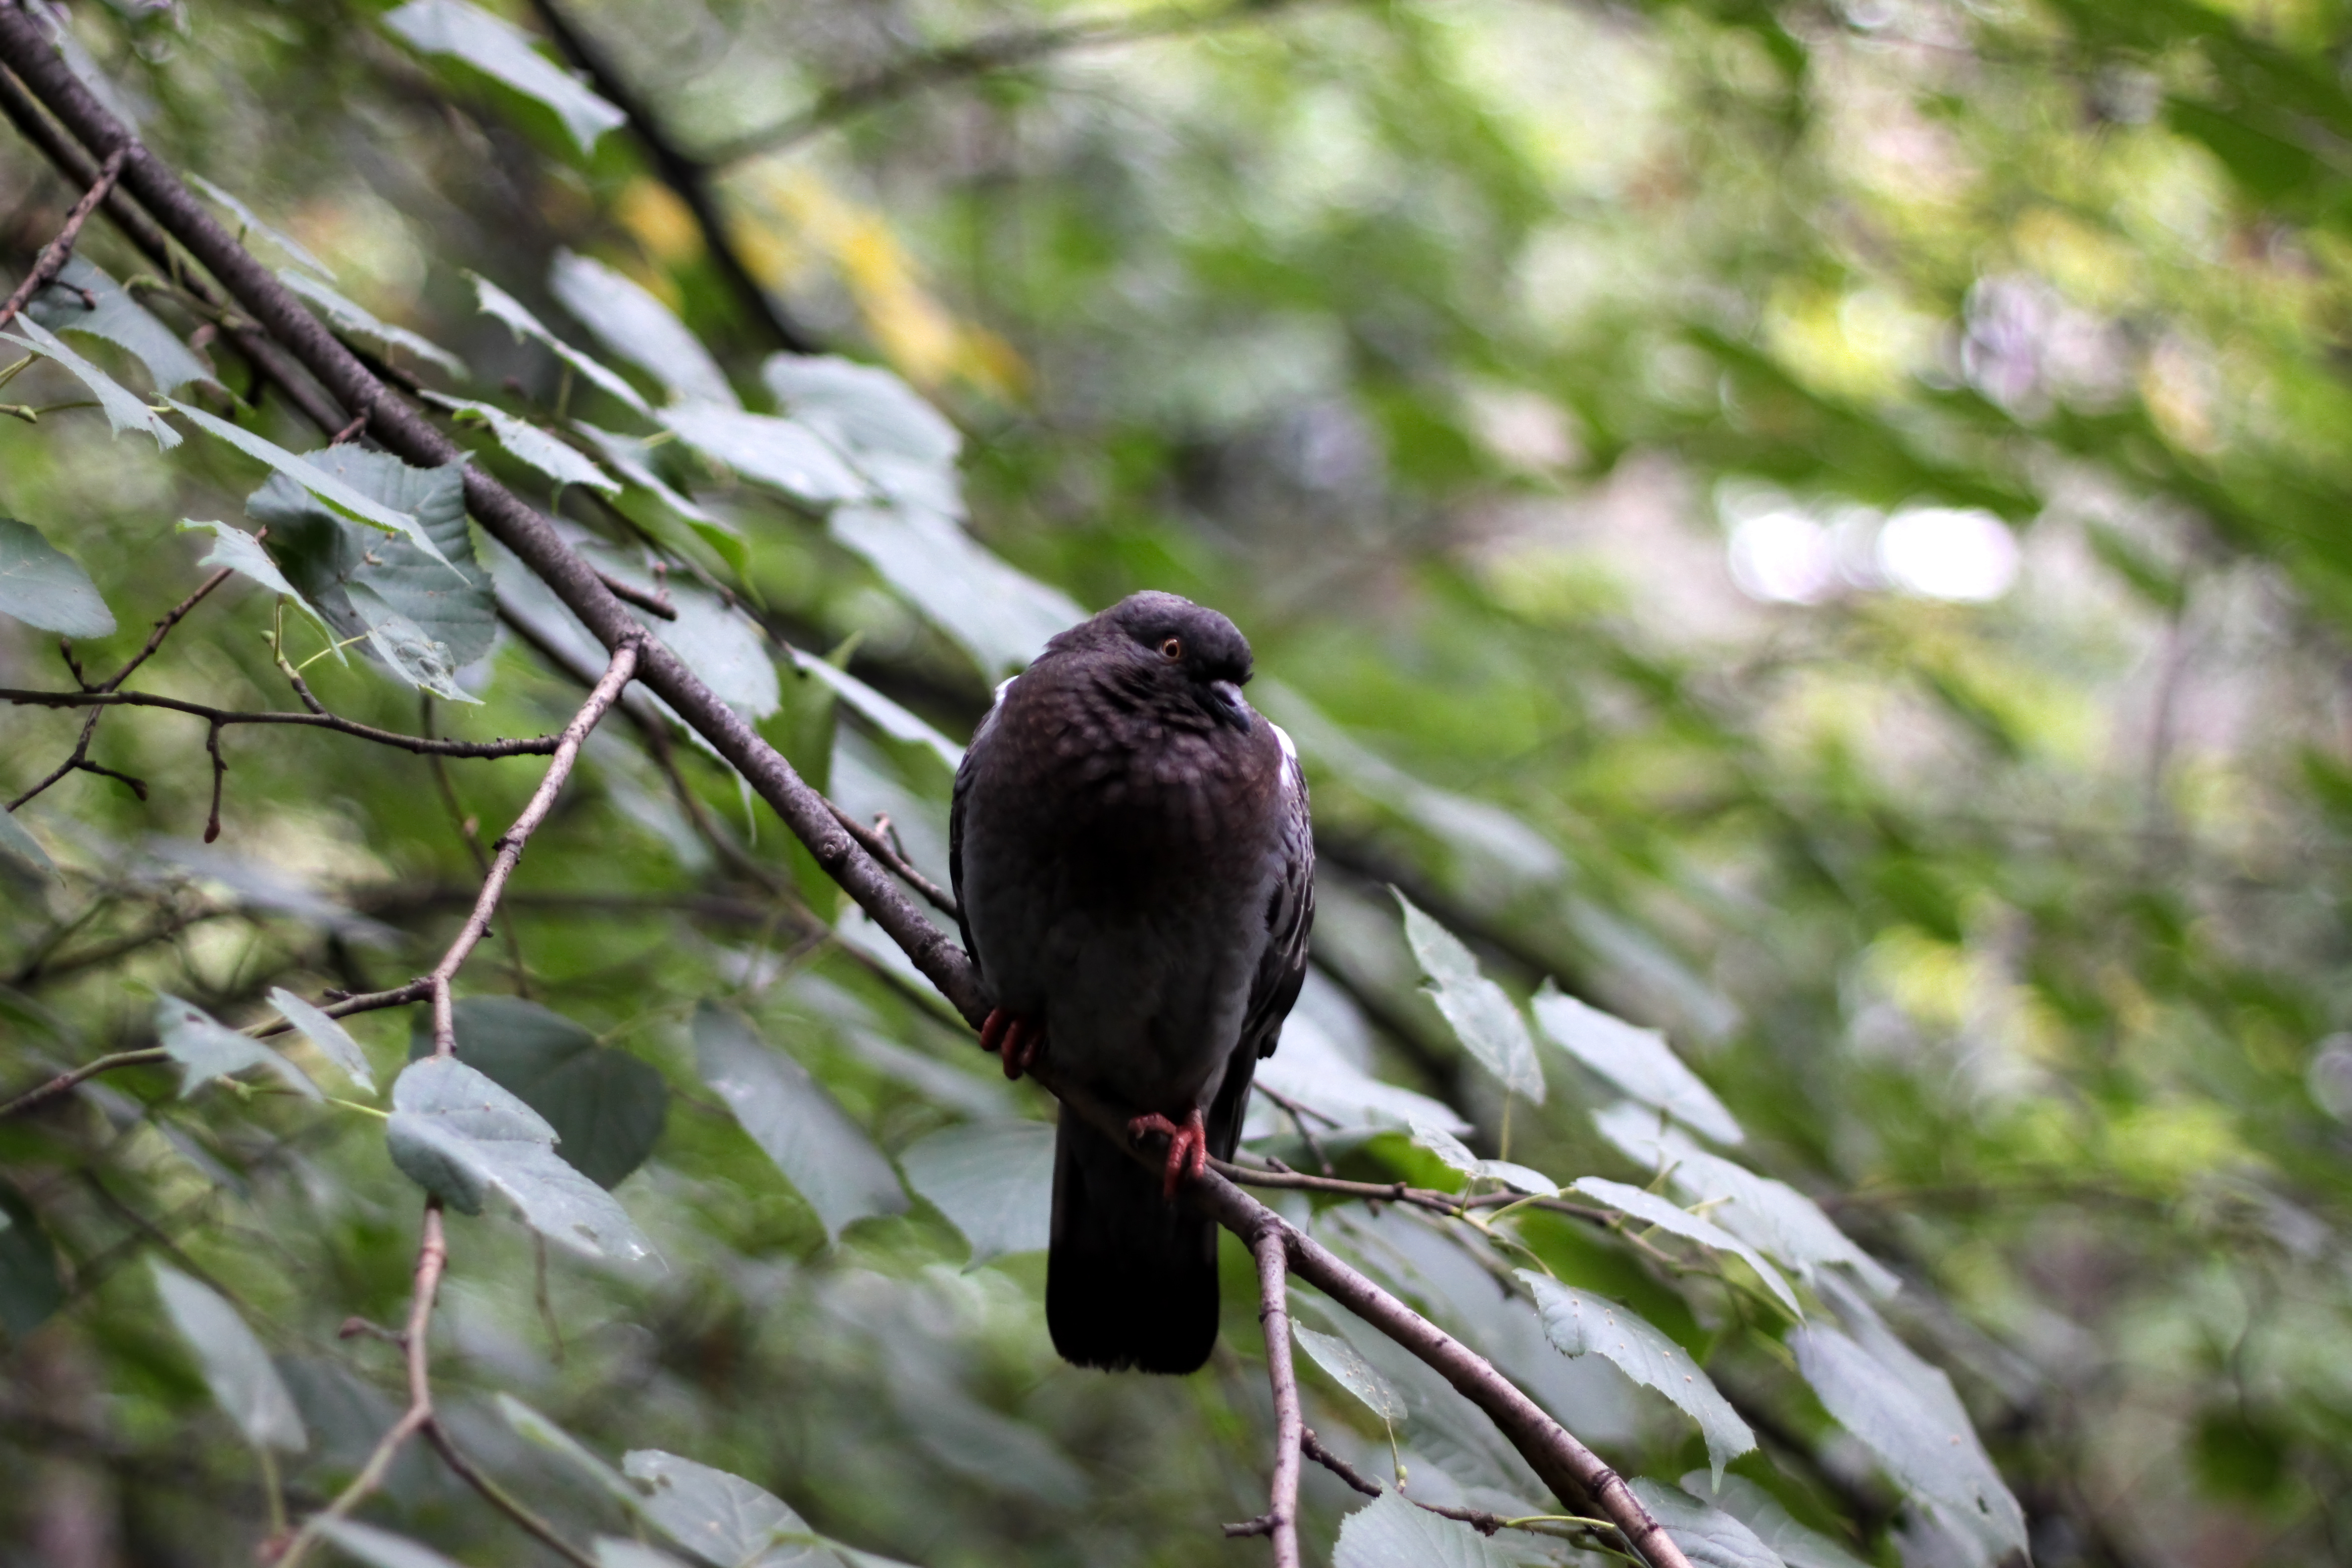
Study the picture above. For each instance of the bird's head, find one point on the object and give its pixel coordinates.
(1175, 648)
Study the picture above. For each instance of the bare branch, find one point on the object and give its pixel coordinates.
(1312, 1446)
(510, 843)
(423, 745)
(873, 841)
(53, 255)
(651, 604)
(498, 1497)
(1274, 1315)
(66, 1082)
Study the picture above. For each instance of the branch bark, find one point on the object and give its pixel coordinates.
(225, 717)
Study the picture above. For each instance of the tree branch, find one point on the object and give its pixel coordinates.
(53, 255)
(1273, 1317)
(66, 1082)
(223, 717)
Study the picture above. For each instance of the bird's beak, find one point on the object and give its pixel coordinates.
(1227, 705)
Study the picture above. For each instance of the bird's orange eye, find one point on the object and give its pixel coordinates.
(1172, 649)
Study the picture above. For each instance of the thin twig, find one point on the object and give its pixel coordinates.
(498, 1498)
(872, 841)
(1312, 1446)
(1428, 1198)
(423, 745)
(1298, 1114)
(651, 604)
(510, 843)
(66, 1082)
(1274, 1316)
(53, 255)
(220, 771)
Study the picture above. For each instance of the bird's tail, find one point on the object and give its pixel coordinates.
(1131, 1278)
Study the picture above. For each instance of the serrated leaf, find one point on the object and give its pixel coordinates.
(863, 407)
(827, 1159)
(250, 225)
(1638, 1061)
(1481, 1013)
(1456, 1154)
(721, 1517)
(457, 1134)
(235, 1366)
(1789, 1226)
(635, 326)
(527, 443)
(448, 598)
(124, 409)
(495, 301)
(343, 497)
(380, 1548)
(1709, 1537)
(1310, 1068)
(206, 1048)
(782, 453)
(1751, 1505)
(329, 1037)
(241, 553)
(117, 318)
(22, 848)
(606, 1107)
(1652, 1209)
(1347, 1367)
(1579, 1323)
(723, 646)
(407, 649)
(361, 322)
(43, 586)
(884, 714)
(1394, 1533)
(30, 1290)
(1904, 1411)
(630, 459)
(503, 52)
(993, 1180)
(1001, 617)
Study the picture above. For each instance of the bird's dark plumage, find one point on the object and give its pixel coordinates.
(1131, 853)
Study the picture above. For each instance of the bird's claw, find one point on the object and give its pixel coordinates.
(1187, 1146)
(1017, 1039)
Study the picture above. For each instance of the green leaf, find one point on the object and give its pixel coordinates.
(124, 409)
(1579, 1323)
(319, 478)
(632, 459)
(607, 1108)
(1709, 1537)
(359, 322)
(424, 616)
(993, 1180)
(1454, 1152)
(30, 1290)
(495, 301)
(1001, 617)
(527, 443)
(863, 407)
(1394, 1533)
(1310, 1068)
(1789, 1226)
(241, 553)
(23, 849)
(503, 52)
(1347, 1367)
(1903, 1410)
(1652, 1209)
(1752, 1505)
(721, 1517)
(721, 644)
(880, 711)
(611, 1552)
(249, 226)
(380, 1548)
(782, 453)
(43, 586)
(118, 320)
(789, 1115)
(635, 326)
(1637, 1061)
(1482, 1016)
(457, 1134)
(235, 1366)
(329, 1037)
(206, 1048)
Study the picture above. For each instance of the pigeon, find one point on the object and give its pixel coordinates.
(1135, 871)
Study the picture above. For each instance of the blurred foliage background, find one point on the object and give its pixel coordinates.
(1819, 527)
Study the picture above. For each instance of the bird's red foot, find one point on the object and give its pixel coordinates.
(1187, 1145)
(1017, 1039)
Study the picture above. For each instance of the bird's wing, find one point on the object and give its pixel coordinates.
(955, 813)
(1290, 917)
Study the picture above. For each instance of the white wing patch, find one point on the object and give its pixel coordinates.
(1294, 777)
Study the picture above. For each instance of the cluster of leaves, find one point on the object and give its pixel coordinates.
(1421, 340)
